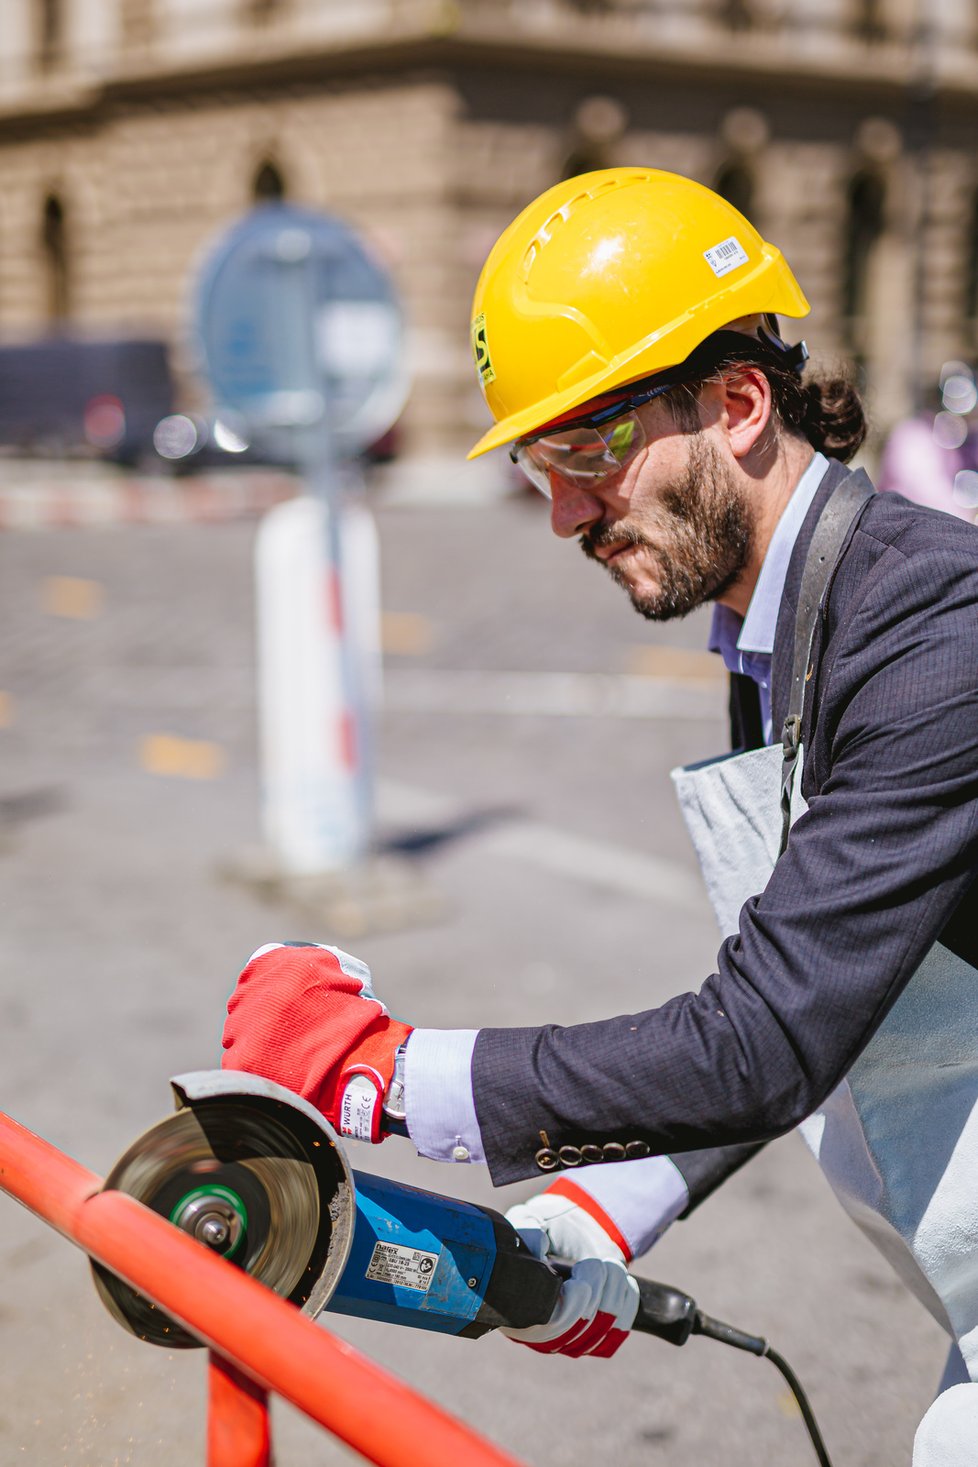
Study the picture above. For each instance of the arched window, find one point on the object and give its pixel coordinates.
(597, 126)
(269, 185)
(583, 159)
(868, 22)
(137, 21)
(737, 14)
(50, 31)
(865, 201)
(735, 183)
(54, 245)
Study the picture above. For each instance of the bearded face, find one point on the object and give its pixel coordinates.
(681, 543)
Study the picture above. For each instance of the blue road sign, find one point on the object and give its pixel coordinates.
(301, 331)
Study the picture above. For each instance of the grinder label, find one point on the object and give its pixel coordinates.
(405, 1268)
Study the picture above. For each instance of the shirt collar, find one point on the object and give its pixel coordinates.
(756, 632)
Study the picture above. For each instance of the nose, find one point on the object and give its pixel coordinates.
(573, 510)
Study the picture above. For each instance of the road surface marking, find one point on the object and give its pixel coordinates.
(550, 694)
(6, 710)
(675, 664)
(179, 758)
(72, 597)
(405, 633)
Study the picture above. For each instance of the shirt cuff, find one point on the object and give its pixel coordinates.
(438, 1099)
(641, 1197)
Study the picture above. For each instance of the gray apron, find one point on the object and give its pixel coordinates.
(898, 1138)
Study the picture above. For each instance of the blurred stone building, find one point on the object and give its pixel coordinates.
(132, 130)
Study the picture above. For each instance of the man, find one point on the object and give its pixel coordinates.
(626, 336)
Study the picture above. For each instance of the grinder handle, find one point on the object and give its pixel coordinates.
(663, 1311)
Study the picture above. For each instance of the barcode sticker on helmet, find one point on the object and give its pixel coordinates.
(725, 256)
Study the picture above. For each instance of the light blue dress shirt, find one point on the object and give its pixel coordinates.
(746, 643)
(439, 1102)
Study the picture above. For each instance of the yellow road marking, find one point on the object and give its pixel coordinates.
(167, 754)
(405, 633)
(72, 597)
(6, 710)
(675, 664)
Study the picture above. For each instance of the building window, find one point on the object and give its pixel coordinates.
(583, 160)
(736, 14)
(597, 127)
(54, 247)
(864, 225)
(868, 23)
(50, 31)
(735, 183)
(269, 185)
(137, 21)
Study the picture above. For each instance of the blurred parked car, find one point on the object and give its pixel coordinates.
(188, 442)
(62, 396)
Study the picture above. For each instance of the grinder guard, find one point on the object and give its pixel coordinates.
(243, 1153)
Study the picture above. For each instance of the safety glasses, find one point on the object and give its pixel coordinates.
(585, 451)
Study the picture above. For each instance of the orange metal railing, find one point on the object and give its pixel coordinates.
(258, 1343)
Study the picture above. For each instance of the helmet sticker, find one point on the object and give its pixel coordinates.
(480, 350)
(726, 256)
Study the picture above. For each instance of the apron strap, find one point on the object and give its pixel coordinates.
(833, 526)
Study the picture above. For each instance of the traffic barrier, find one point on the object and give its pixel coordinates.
(258, 1343)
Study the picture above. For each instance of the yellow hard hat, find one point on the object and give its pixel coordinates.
(609, 277)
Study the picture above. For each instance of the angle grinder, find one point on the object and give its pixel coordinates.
(257, 1175)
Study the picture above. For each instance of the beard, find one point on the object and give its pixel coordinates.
(700, 533)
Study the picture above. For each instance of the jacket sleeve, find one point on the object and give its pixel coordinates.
(872, 873)
(704, 1171)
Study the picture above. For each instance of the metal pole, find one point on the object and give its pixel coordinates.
(278, 1348)
(238, 1428)
(317, 804)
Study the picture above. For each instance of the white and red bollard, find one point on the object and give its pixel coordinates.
(318, 615)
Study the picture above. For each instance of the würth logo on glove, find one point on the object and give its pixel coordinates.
(363, 1097)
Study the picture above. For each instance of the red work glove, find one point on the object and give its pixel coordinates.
(307, 1017)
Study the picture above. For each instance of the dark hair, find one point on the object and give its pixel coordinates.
(826, 410)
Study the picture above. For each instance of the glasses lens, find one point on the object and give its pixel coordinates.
(581, 456)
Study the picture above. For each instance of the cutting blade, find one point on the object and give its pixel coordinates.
(231, 1175)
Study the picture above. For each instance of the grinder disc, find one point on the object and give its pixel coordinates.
(232, 1176)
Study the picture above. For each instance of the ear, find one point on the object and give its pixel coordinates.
(744, 401)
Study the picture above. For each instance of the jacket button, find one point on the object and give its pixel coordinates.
(591, 1154)
(637, 1150)
(570, 1155)
(613, 1151)
(547, 1159)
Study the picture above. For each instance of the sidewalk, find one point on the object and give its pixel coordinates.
(56, 494)
(42, 494)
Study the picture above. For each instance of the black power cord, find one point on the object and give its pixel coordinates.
(714, 1329)
(673, 1316)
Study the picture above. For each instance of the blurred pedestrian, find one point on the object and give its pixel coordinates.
(932, 458)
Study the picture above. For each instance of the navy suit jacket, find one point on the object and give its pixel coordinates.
(876, 871)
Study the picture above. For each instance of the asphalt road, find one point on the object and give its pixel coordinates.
(523, 755)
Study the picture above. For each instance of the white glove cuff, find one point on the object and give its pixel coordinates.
(555, 1225)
